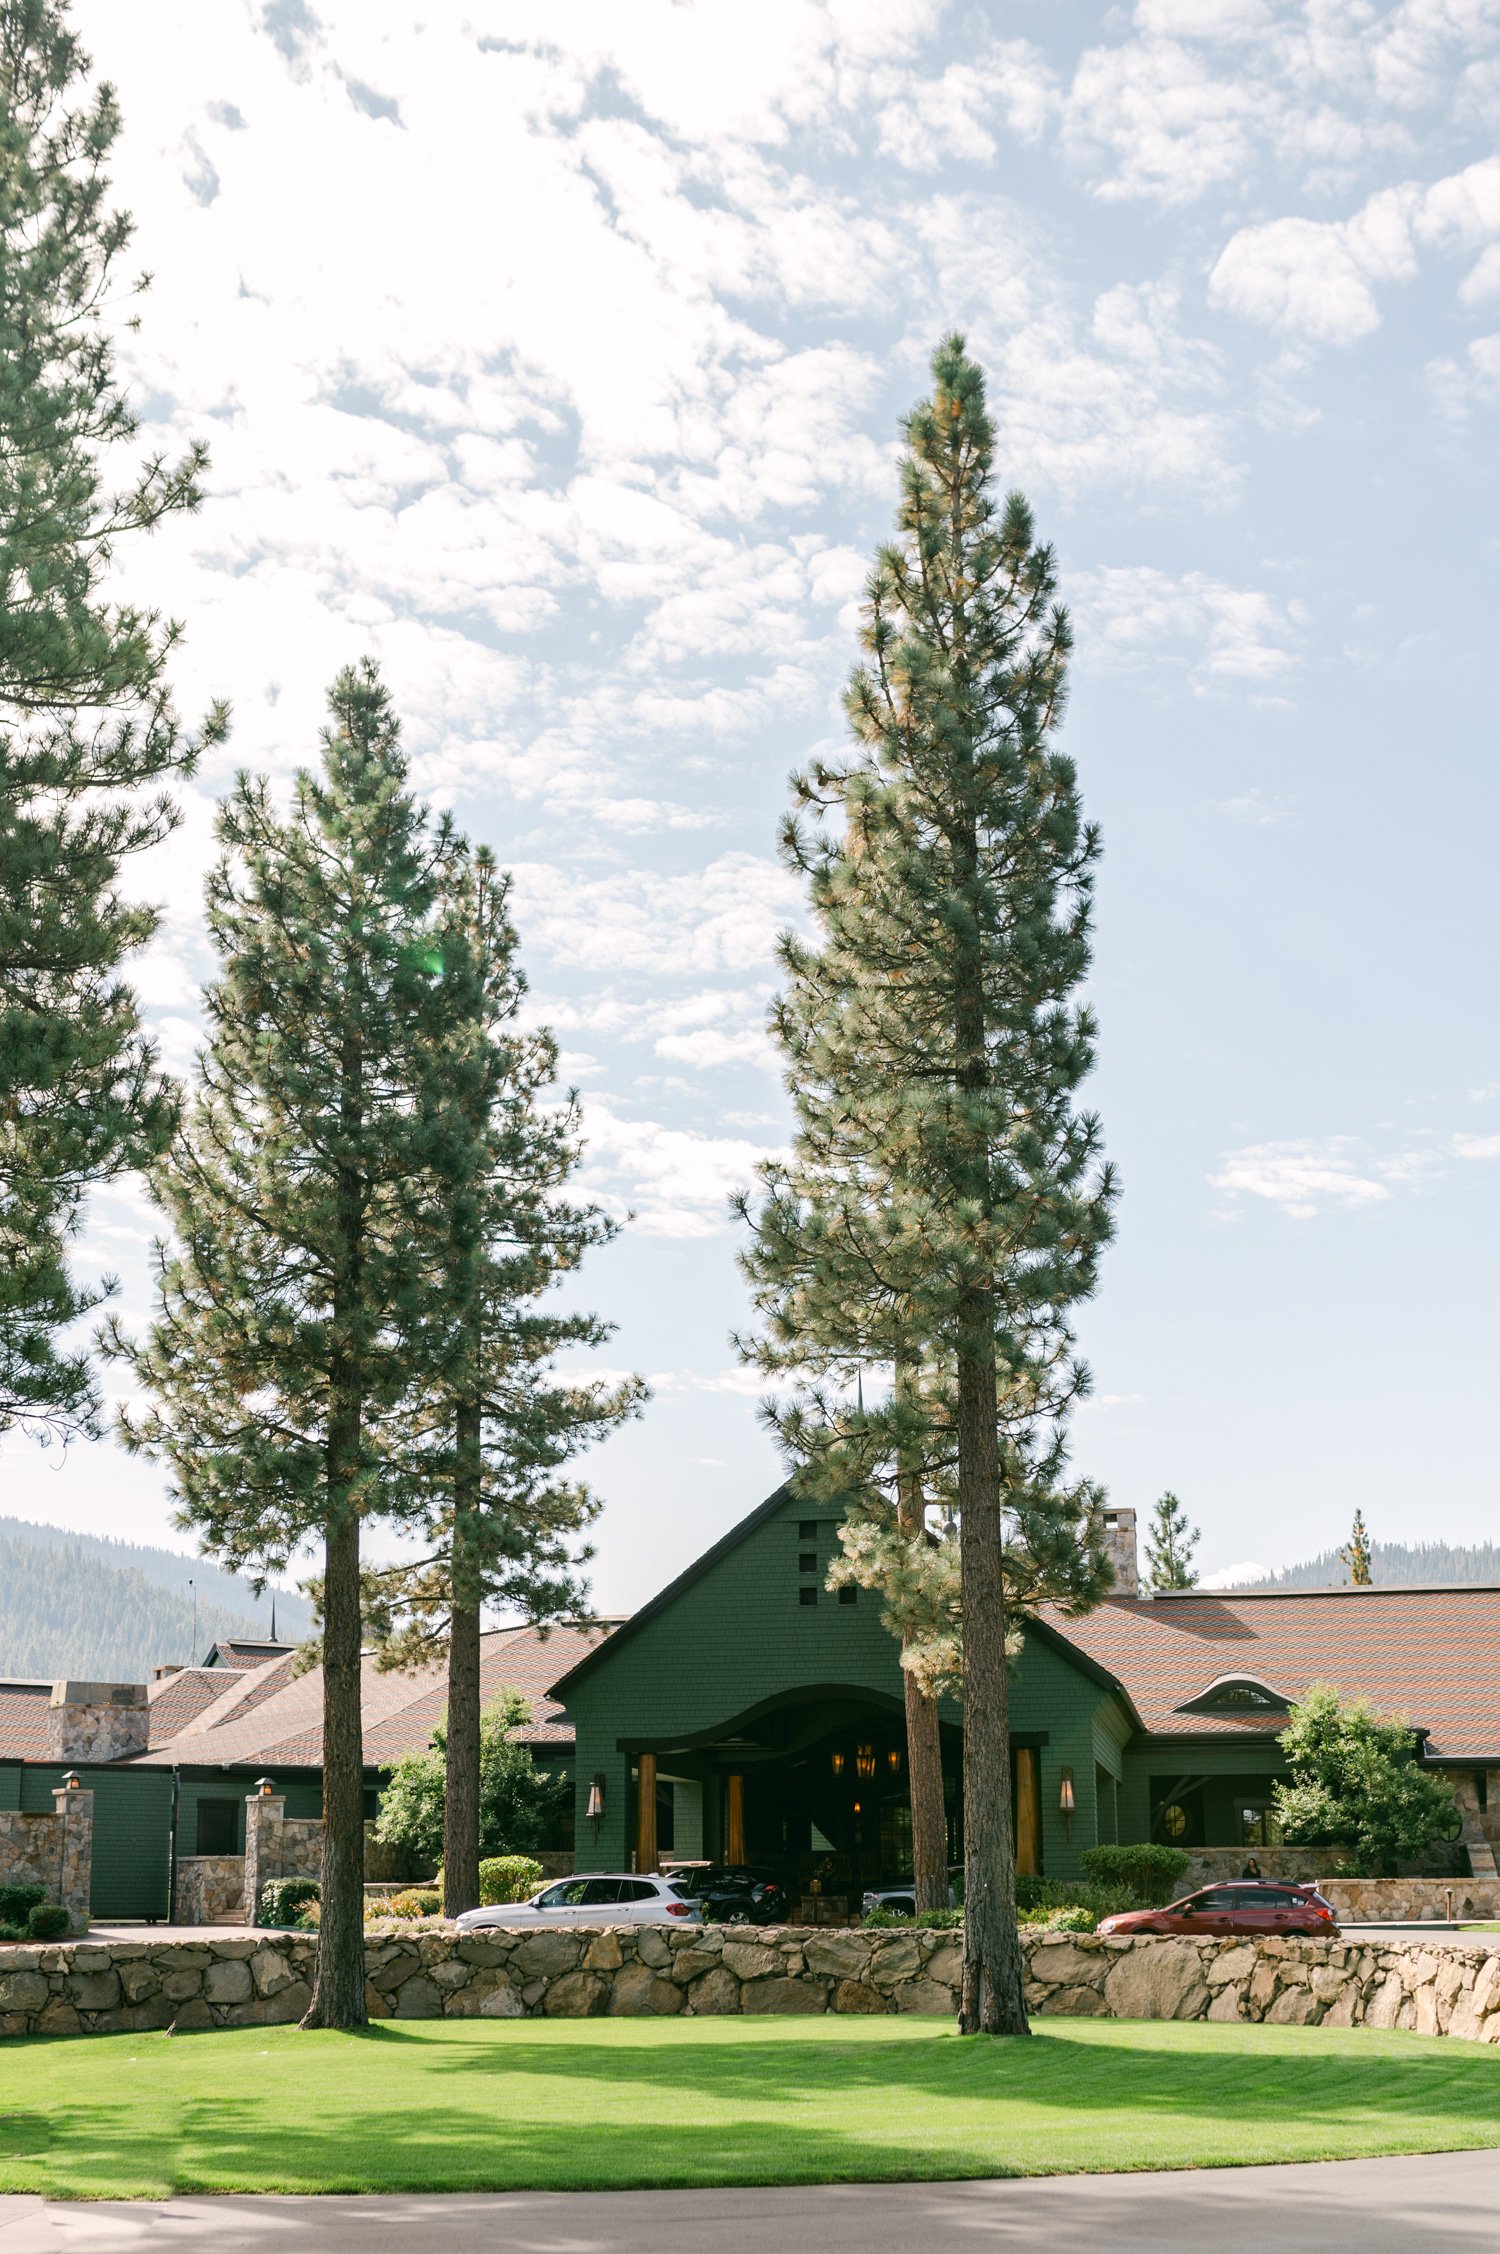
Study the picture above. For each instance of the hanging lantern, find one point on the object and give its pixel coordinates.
(893, 1760)
(864, 1761)
(837, 1761)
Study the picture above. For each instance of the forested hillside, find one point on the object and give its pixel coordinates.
(78, 1604)
(1394, 1565)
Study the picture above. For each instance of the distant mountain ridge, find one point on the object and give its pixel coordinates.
(1393, 1565)
(87, 1606)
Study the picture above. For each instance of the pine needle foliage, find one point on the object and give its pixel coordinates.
(295, 1323)
(496, 1425)
(1355, 1554)
(87, 730)
(950, 873)
(1170, 1543)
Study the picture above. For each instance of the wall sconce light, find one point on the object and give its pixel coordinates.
(837, 1763)
(263, 1788)
(595, 1808)
(894, 1760)
(1066, 1801)
(857, 1810)
(864, 1761)
(71, 1782)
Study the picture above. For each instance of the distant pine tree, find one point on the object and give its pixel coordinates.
(1396, 1565)
(64, 1612)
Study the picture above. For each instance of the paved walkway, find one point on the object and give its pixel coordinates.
(1426, 2205)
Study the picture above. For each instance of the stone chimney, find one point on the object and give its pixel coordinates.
(1119, 1533)
(97, 1721)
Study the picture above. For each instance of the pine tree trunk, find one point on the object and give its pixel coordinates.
(924, 1743)
(339, 1990)
(929, 1817)
(461, 1766)
(994, 1996)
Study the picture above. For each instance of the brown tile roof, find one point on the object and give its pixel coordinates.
(247, 1652)
(177, 1699)
(1429, 1655)
(23, 1721)
(270, 1719)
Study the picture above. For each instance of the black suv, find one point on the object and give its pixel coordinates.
(736, 1894)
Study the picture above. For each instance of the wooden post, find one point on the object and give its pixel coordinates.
(645, 1812)
(734, 1827)
(1028, 1812)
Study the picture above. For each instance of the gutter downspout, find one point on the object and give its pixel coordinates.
(172, 1872)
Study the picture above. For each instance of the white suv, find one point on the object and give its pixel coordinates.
(605, 1899)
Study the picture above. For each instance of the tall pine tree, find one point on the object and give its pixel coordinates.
(87, 732)
(495, 1424)
(962, 1036)
(1170, 1543)
(295, 1323)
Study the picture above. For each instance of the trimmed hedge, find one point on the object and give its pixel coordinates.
(282, 1900)
(17, 1903)
(1148, 1871)
(508, 1878)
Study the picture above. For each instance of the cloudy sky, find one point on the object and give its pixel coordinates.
(554, 355)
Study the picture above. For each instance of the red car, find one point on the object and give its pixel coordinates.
(1241, 1907)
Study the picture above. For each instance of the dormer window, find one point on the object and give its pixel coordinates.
(1237, 1694)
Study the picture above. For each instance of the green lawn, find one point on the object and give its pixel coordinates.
(461, 2105)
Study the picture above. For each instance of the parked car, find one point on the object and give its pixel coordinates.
(1241, 1908)
(900, 1901)
(737, 1894)
(608, 1898)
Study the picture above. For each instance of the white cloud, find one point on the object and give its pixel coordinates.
(724, 917)
(1306, 1178)
(1135, 618)
(674, 1180)
(1477, 1146)
(1241, 1576)
(1260, 810)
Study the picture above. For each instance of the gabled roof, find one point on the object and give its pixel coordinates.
(1429, 1655)
(1053, 1627)
(739, 1532)
(268, 1718)
(245, 1651)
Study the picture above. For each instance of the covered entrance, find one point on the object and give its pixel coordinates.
(811, 1784)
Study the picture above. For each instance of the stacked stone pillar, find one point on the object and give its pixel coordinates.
(265, 1835)
(75, 1859)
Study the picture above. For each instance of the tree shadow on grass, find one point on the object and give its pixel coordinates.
(493, 2107)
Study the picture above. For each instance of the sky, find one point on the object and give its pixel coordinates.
(555, 357)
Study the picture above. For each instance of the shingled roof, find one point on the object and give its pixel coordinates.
(1431, 1656)
(267, 1718)
(23, 1720)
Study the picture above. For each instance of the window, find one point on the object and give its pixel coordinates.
(218, 1827)
(1235, 1694)
(637, 1890)
(848, 1594)
(569, 1895)
(599, 1891)
(807, 1596)
(1258, 1824)
(807, 1529)
(808, 1562)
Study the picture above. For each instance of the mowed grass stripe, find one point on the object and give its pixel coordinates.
(463, 2105)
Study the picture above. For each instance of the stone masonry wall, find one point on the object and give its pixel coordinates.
(646, 1971)
(56, 1852)
(210, 1890)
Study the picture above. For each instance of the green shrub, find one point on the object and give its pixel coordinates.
(1148, 1872)
(1068, 1917)
(417, 1901)
(12, 1932)
(46, 1921)
(939, 1920)
(508, 1878)
(17, 1903)
(282, 1900)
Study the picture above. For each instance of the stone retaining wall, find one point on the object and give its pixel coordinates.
(266, 1978)
(1365, 1901)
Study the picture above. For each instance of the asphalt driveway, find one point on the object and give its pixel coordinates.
(1425, 2205)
